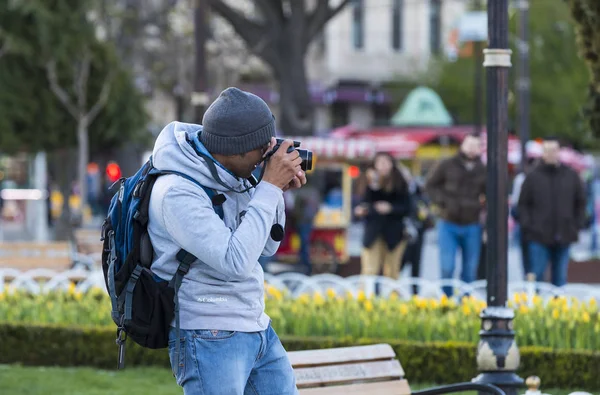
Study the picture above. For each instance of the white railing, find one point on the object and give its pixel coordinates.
(44, 280)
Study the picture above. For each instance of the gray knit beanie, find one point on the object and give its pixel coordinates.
(237, 122)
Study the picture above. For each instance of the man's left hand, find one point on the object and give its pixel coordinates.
(297, 181)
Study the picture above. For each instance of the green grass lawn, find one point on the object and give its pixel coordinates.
(17, 380)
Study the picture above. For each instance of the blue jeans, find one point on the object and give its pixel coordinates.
(539, 255)
(234, 363)
(304, 232)
(452, 236)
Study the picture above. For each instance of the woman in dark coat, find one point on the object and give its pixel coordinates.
(385, 204)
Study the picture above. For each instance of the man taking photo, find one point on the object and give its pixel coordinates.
(227, 343)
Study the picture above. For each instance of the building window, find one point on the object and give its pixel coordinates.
(435, 26)
(397, 15)
(358, 24)
(340, 114)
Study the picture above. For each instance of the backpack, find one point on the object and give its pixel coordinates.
(143, 304)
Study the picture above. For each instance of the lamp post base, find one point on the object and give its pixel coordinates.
(498, 356)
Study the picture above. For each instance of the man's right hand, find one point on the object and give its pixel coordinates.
(282, 167)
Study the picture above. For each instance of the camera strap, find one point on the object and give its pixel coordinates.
(215, 173)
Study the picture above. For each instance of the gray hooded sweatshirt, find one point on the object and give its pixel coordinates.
(224, 289)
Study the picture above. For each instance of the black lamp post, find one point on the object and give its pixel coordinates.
(497, 353)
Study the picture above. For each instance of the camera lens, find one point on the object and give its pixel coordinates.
(307, 158)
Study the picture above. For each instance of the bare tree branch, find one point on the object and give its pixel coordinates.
(58, 91)
(273, 11)
(255, 35)
(320, 16)
(102, 98)
(82, 76)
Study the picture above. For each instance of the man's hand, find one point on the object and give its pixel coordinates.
(361, 210)
(283, 167)
(297, 181)
(383, 207)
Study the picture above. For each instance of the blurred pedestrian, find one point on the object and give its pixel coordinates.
(385, 204)
(514, 212)
(306, 206)
(551, 208)
(457, 187)
(423, 220)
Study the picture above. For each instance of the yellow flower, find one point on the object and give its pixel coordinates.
(592, 303)
(71, 290)
(304, 299)
(517, 298)
(537, 300)
(555, 314)
(565, 308)
(349, 295)
(523, 309)
(394, 296)
(318, 299)
(368, 306)
(466, 309)
(585, 317)
(524, 297)
(403, 309)
(330, 293)
(361, 296)
(2, 297)
(433, 303)
(444, 300)
(78, 295)
(421, 303)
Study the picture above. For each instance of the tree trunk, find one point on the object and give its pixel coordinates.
(82, 159)
(295, 102)
(64, 171)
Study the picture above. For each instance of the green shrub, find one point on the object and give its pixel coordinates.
(440, 362)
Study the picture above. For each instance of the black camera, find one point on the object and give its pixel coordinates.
(305, 155)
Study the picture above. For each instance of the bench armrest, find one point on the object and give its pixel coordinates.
(460, 387)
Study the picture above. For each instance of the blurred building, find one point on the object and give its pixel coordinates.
(372, 43)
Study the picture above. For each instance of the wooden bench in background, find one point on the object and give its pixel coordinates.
(32, 255)
(371, 369)
(88, 241)
(57, 256)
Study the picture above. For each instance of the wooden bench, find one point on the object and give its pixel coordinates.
(24, 256)
(371, 369)
(88, 241)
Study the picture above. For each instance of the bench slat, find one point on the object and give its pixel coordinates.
(330, 356)
(347, 373)
(26, 256)
(396, 387)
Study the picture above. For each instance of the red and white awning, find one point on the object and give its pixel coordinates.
(338, 148)
(349, 144)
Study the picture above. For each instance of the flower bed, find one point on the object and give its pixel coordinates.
(559, 324)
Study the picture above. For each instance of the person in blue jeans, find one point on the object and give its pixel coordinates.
(306, 207)
(551, 208)
(226, 344)
(456, 186)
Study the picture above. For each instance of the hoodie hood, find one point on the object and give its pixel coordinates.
(172, 151)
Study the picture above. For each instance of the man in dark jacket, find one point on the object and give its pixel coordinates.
(457, 187)
(551, 213)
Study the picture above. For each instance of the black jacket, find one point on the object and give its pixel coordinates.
(552, 205)
(389, 226)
